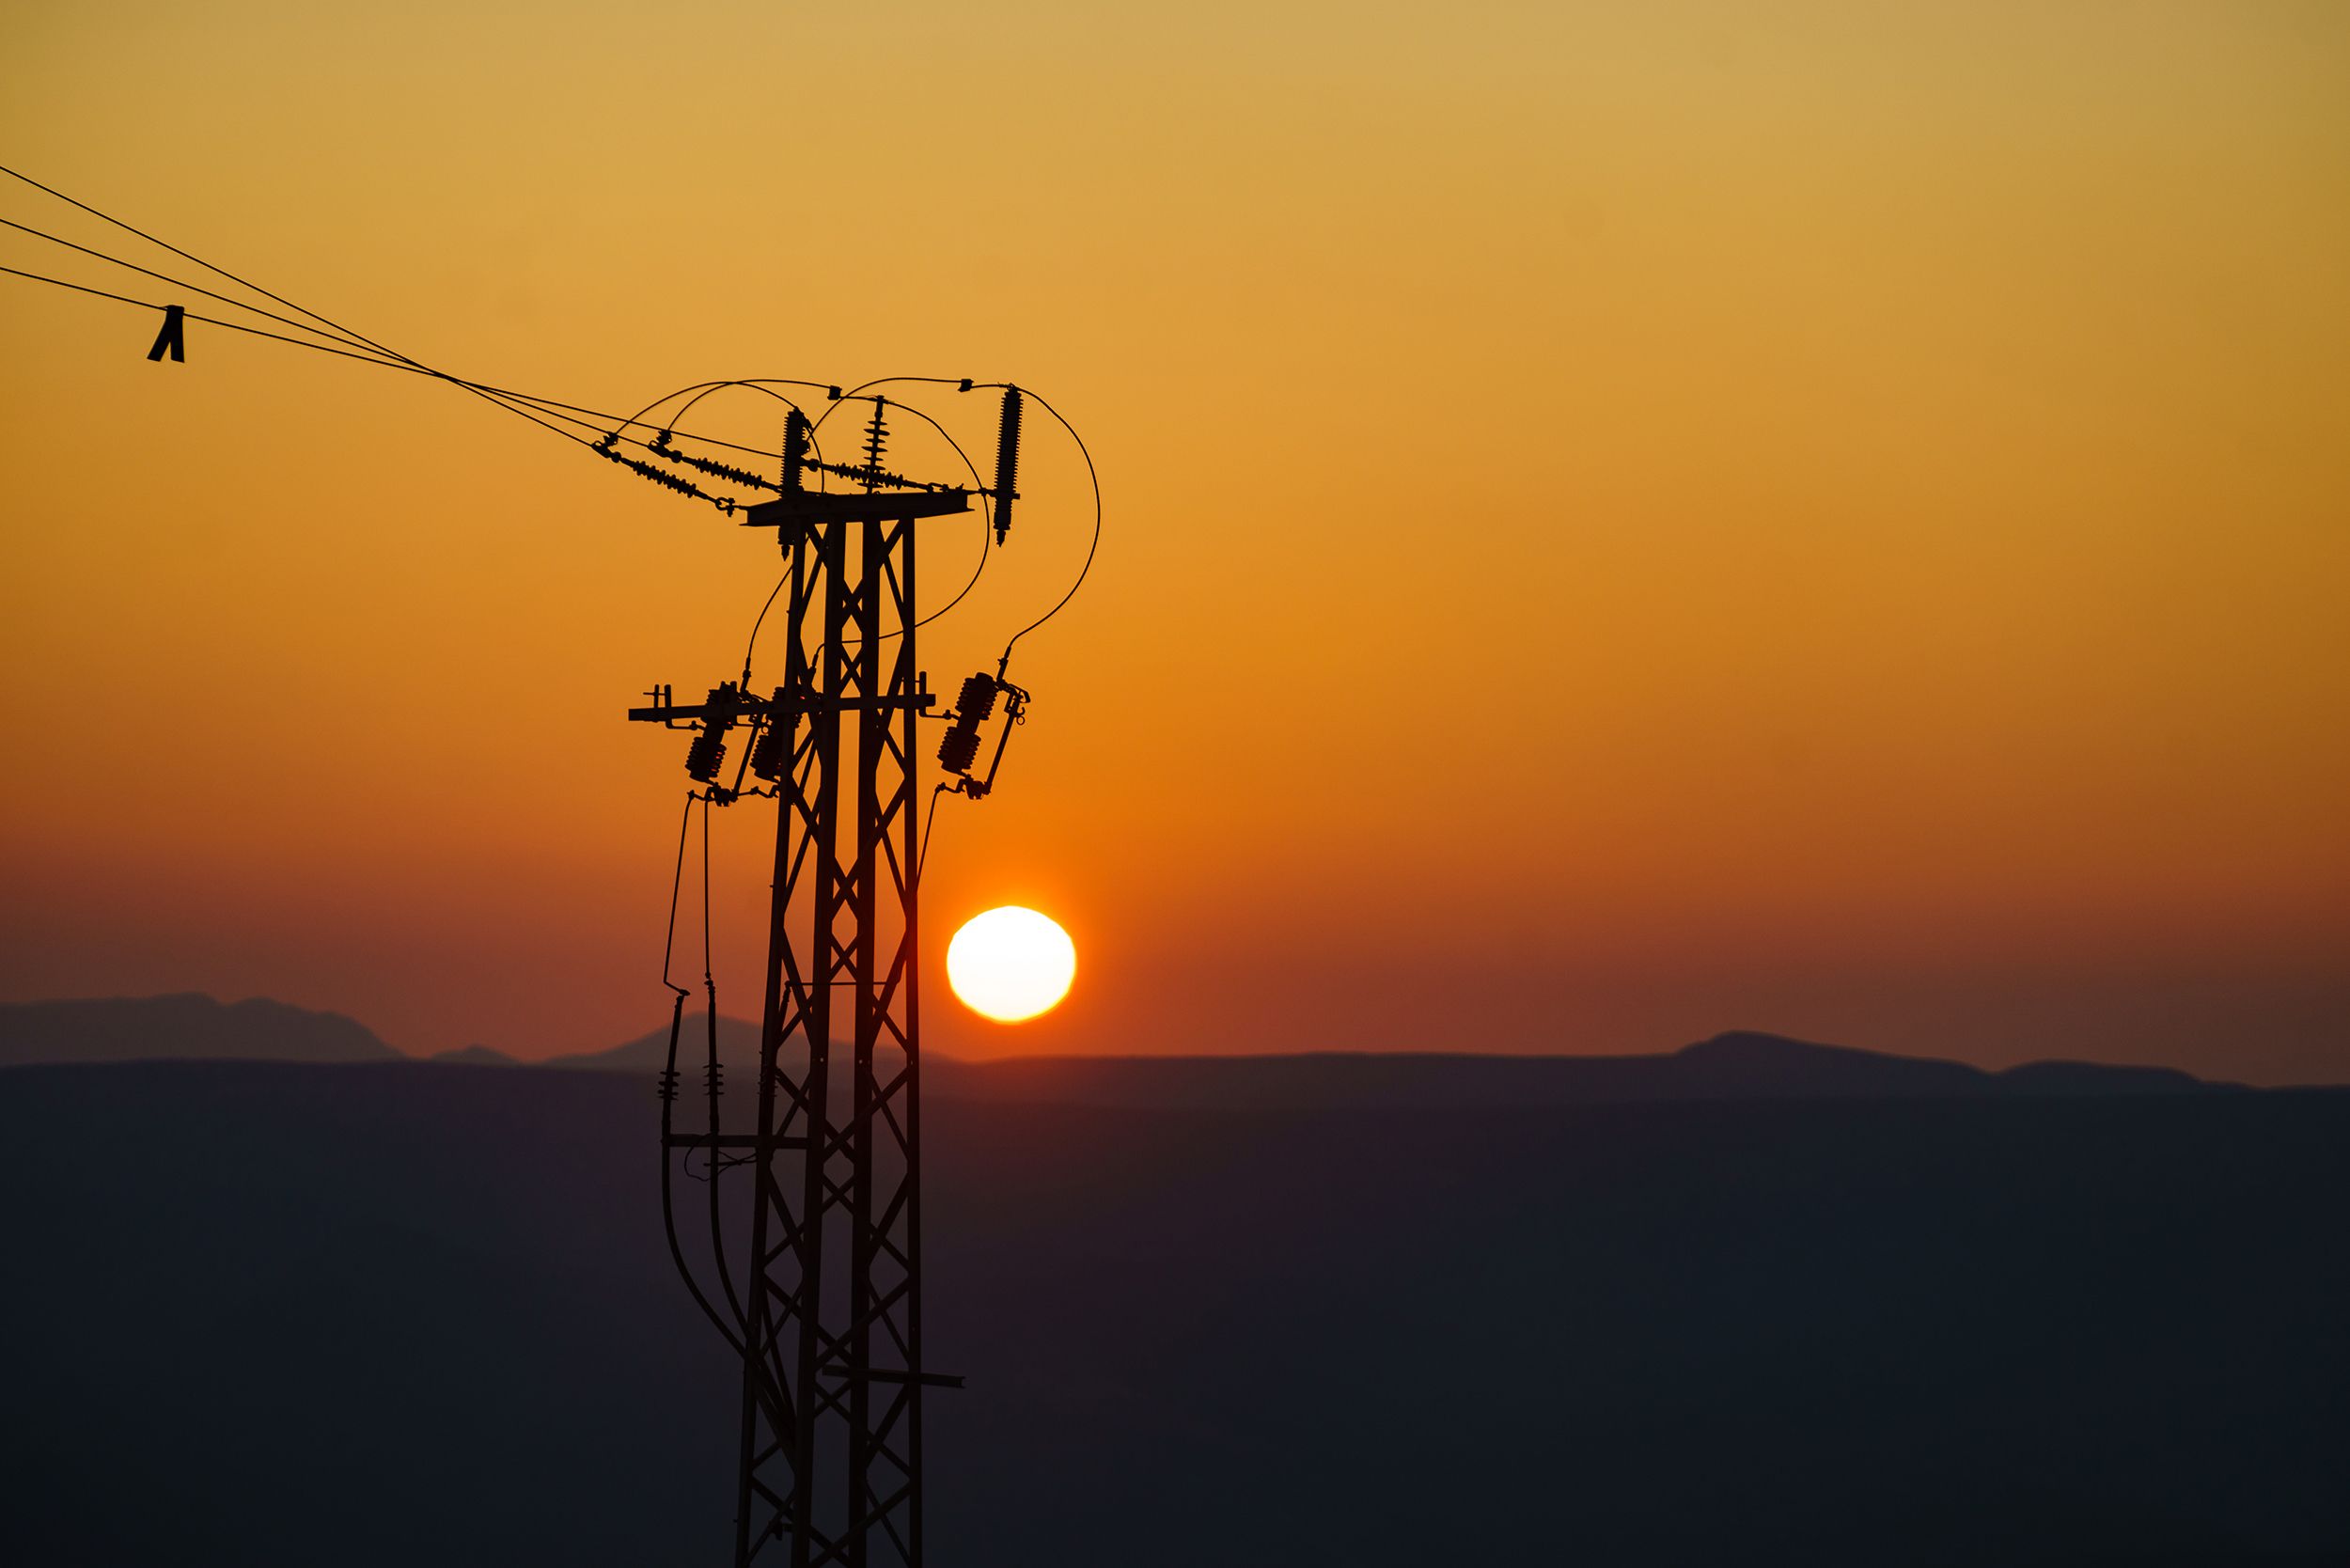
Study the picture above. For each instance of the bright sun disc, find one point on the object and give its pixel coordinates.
(1011, 964)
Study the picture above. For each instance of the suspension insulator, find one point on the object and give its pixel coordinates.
(660, 476)
(668, 1090)
(771, 754)
(795, 450)
(715, 1078)
(720, 470)
(709, 749)
(1007, 462)
(976, 703)
(960, 748)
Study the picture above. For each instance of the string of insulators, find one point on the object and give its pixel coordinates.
(876, 437)
(717, 470)
(771, 754)
(663, 477)
(715, 1078)
(959, 747)
(875, 478)
(668, 1085)
(1007, 462)
(709, 749)
(795, 450)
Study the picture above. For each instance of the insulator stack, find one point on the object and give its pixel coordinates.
(976, 702)
(715, 1078)
(720, 470)
(959, 747)
(795, 450)
(710, 747)
(1007, 462)
(663, 477)
(876, 438)
(668, 1085)
(872, 478)
(771, 754)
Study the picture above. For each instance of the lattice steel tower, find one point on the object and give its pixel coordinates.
(828, 1320)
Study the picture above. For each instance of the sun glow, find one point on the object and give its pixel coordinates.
(1011, 964)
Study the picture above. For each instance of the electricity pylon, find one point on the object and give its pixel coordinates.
(829, 1321)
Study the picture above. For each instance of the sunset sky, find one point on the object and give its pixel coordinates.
(1624, 522)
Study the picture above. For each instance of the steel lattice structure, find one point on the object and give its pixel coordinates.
(829, 1321)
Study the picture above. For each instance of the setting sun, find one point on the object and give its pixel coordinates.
(1011, 964)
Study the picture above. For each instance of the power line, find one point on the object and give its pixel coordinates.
(297, 342)
(245, 283)
(345, 342)
(175, 282)
(207, 266)
(591, 419)
(392, 359)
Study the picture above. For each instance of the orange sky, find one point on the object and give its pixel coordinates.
(1624, 521)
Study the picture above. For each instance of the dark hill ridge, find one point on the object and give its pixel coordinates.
(1738, 1066)
(738, 1048)
(189, 1023)
(476, 1055)
(1741, 1065)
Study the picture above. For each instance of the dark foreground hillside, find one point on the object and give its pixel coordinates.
(262, 1313)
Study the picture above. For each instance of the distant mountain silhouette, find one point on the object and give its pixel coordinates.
(738, 1048)
(475, 1056)
(137, 1029)
(1737, 1066)
(1729, 1067)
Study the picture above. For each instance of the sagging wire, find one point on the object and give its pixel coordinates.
(350, 344)
(182, 282)
(1003, 664)
(704, 388)
(341, 332)
(750, 647)
(713, 1080)
(669, 1088)
(1094, 476)
(922, 851)
(1092, 473)
(304, 343)
(506, 398)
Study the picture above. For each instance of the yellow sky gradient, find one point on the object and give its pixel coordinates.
(1624, 522)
